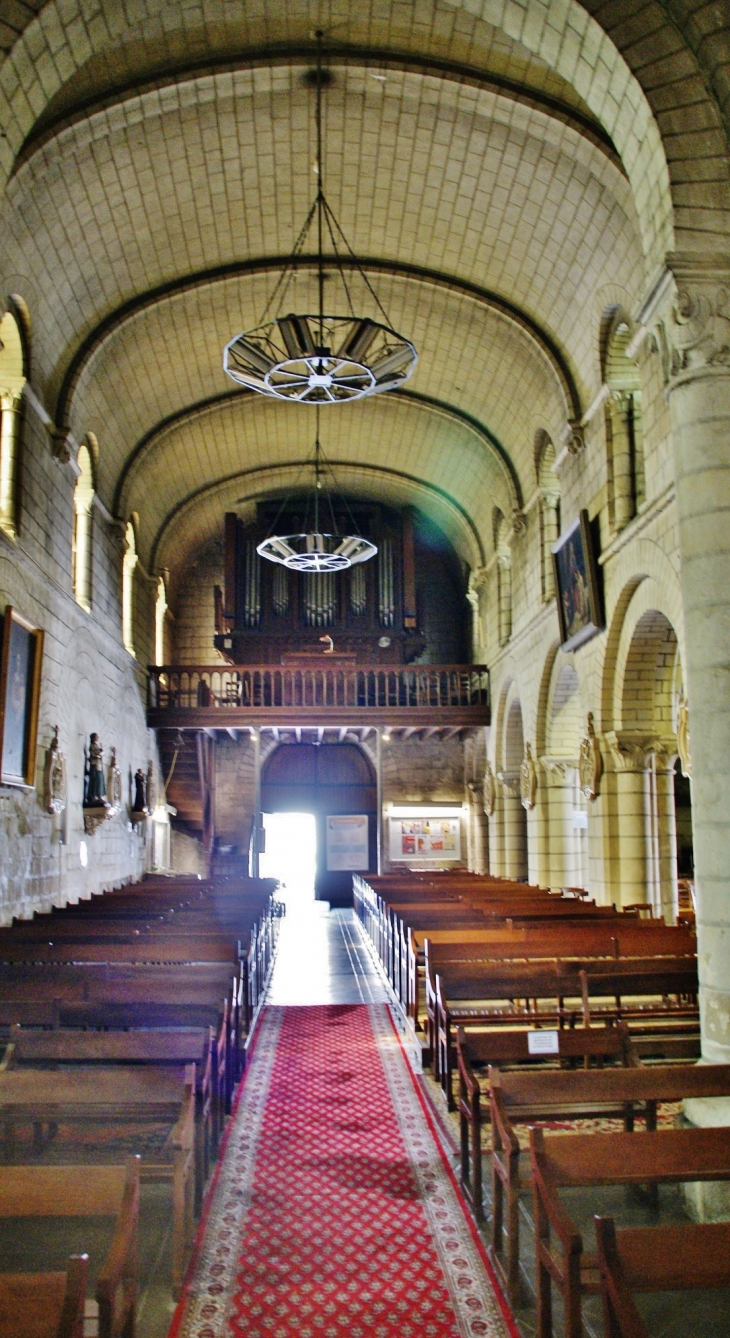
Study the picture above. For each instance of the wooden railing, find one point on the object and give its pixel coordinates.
(224, 694)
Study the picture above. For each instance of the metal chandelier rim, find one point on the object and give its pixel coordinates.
(320, 358)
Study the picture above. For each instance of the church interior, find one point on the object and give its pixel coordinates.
(365, 668)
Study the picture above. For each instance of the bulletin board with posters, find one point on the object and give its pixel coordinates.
(347, 843)
(432, 838)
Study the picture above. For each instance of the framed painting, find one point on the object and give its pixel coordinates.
(576, 585)
(20, 684)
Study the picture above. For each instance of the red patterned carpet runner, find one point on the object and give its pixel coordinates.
(335, 1214)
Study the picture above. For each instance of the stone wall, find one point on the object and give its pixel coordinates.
(89, 683)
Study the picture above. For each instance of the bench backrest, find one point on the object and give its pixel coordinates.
(61, 1191)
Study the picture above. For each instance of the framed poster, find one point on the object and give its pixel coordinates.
(347, 843)
(576, 585)
(432, 838)
(20, 684)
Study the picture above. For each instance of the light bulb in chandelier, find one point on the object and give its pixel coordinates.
(316, 358)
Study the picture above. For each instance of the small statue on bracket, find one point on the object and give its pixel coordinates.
(139, 807)
(96, 805)
(114, 784)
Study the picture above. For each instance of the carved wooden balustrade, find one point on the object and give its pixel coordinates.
(225, 695)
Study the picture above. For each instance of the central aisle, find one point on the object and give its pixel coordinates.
(335, 1213)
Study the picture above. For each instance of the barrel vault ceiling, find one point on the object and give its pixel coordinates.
(151, 198)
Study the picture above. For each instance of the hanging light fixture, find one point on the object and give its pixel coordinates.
(314, 550)
(317, 358)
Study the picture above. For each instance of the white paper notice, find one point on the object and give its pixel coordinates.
(543, 1043)
(347, 843)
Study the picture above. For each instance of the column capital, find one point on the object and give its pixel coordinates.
(697, 325)
(633, 751)
(559, 771)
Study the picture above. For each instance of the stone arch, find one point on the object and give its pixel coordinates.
(644, 562)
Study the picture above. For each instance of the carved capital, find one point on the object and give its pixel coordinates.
(510, 782)
(633, 751)
(519, 524)
(697, 325)
(574, 436)
(478, 580)
(559, 771)
(61, 448)
(11, 395)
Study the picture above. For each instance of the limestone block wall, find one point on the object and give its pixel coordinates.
(89, 683)
(194, 625)
(622, 844)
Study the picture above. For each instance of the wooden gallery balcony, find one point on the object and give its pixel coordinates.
(227, 696)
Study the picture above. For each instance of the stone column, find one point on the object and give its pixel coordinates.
(561, 865)
(665, 837)
(622, 465)
(550, 533)
(697, 345)
(479, 829)
(629, 817)
(514, 826)
(10, 408)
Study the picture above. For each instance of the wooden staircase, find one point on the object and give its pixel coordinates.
(188, 756)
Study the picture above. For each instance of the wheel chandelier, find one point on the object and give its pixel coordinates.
(316, 358)
(317, 551)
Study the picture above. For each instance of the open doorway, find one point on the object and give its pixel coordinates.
(290, 854)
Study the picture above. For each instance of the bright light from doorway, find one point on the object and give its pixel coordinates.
(291, 856)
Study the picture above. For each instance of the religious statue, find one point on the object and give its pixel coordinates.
(55, 778)
(683, 748)
(114, 783)
(590, 762)
(528, 780)
(490, 791)
(95, 787)
(140, 803)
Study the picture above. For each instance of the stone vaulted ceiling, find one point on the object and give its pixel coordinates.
(159, 160)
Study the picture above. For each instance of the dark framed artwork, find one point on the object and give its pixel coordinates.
(576, 585)
(20, 686)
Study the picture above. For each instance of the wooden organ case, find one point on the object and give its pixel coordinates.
(267, 614)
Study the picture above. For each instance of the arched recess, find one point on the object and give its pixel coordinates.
(623, 420)
(565, 835)
(642, 751)
(327, 780)
(549, 486)
(513, 817)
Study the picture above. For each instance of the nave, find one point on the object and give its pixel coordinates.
(335, 1209)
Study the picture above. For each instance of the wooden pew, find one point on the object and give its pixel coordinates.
(522, 1098)
(116, 1095)
(480, 1050)
(666, 1156)
(45, 1305)
(491, 993)
(73, 1048)
(629, 938)
(656, 1259)
(59, 1191)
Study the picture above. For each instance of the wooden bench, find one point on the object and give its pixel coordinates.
(521, 1098)
(482, 1050)
(656, 1259)
(45, 1305)
(59, 1191)
(116, 1095)
(475, 995)
(665, 1156)
(73, 1048)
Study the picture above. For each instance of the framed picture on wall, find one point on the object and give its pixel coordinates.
(20, 686)
(576, 585)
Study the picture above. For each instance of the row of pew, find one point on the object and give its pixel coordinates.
(130, 1010)
(549, 1009)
